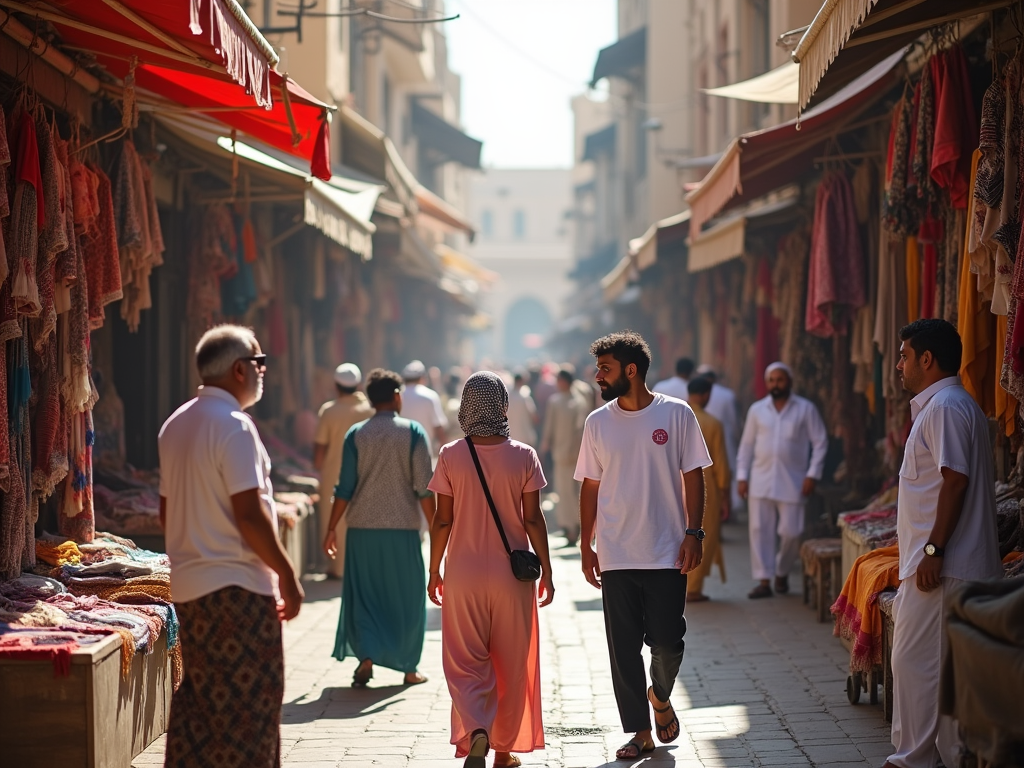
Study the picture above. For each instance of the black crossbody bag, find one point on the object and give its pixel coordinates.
(525, 564)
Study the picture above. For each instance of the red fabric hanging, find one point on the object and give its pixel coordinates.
(928, 236)
(956, 126)
(321, 162)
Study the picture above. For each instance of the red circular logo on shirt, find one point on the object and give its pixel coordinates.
(660, 436)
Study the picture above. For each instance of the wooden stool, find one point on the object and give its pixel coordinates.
(822, 559)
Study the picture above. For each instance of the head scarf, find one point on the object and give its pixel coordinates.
(778, 366)
(484, 407)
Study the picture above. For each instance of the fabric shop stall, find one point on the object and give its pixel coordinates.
(92, 281)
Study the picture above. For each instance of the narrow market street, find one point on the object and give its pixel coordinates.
(762, 684)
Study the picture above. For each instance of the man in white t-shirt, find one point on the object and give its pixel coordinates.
(421, 403)
(675, 386)
(641, 454)
(227, 565)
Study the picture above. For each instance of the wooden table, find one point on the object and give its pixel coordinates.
(94, 717)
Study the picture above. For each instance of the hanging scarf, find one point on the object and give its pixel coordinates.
(483, 411)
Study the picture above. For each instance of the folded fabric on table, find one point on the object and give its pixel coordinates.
(856, 614)
(33, 645)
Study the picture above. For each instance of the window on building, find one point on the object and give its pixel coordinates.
(519, 224)
(487, 224)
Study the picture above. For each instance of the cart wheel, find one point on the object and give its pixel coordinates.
(876, 679)
(853, 685)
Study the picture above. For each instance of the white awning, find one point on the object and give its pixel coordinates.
(779, 86)
(342, 215)
(718, 245)
(614, 284)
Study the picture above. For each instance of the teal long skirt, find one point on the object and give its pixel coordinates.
(383, 599)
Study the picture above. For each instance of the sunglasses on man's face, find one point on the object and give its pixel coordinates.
(260, 360)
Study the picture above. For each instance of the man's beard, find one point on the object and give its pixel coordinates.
(615, 389)
(259, 390)
(778, 393)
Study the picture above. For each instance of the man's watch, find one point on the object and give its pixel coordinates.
(698, 532)
(932, 551)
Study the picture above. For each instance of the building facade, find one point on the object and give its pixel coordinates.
(524, 236)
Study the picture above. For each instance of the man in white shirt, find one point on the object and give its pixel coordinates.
(641, 454)
(781, 458)
(421, 403)
(946, 523)
(522, 411)
(227, 565)
(675, 386)
(723, 407)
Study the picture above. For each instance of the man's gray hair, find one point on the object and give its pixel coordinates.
(220, 347)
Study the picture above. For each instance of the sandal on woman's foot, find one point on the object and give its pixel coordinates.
(363, 674)
(632, 749)
(665, 735)
(479, 746)
(513, 762)
(697, 597)
(414, 678)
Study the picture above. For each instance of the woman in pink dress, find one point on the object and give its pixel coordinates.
(489, 637)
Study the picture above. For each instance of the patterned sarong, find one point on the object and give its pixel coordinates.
(227, 711)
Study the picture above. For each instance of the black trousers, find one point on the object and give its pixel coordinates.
(643, 607)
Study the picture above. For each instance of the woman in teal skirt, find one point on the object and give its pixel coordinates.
(382, 492)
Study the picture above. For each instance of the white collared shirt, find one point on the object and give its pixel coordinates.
(722, 406)
(210, 450)
(949, 430)
(779, 449)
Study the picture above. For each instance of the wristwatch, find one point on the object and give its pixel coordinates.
(932, 551)
(698, 532)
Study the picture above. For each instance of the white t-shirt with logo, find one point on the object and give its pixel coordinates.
(639, 458)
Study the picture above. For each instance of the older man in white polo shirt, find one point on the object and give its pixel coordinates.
(227, 565)
(946, 523)
(781, 458)
(421, 403)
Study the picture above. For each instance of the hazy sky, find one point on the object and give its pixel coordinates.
(521, 61)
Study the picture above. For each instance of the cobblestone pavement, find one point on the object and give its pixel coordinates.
(762, 684)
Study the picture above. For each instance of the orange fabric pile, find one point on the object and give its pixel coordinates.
(856, 614)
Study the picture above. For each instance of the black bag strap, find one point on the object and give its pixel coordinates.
(487, 493)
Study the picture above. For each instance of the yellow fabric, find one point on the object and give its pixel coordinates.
(66, 553)
(1005, 403)
(716, 490)
(977, 328)
(913, 281)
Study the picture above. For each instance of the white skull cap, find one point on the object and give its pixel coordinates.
(778, 366)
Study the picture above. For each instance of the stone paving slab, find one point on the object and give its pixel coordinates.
(762, 684)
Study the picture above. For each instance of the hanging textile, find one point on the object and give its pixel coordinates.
(99, 246)
(139, 240)
(913, 273)
(920, 153)
(976, 326)
(956, 127)
(53, 237)
(77, 516)
(899, 213)
(835, 282)
(1006, 404)
(14, 508)
(788, 286)
(27, 217)
(928, 238)
(891, 308)
(5, 206)
(49, 423)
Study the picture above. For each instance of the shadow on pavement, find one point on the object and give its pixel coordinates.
(662, 756)
(336, 703)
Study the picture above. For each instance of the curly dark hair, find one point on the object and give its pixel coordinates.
(382, 385)
(626, 347)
